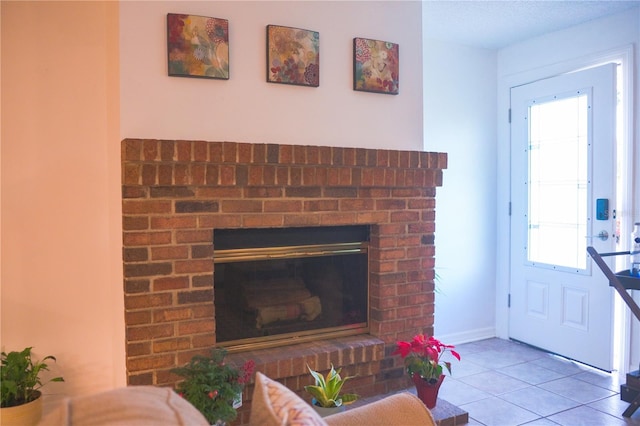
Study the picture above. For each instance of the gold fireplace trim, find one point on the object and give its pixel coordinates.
(288, 252)
(280, 340)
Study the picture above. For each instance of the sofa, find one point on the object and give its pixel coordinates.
(272, 405)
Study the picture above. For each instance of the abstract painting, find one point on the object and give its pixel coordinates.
(293, 56)
(376, 66)
(198, 46)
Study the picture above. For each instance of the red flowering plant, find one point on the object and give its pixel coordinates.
(213, 386)
(423, 356)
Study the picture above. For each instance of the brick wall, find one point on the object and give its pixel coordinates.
(175, 193)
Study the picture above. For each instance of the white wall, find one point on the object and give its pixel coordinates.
(534, 59)
(459, 118)
(247, 109)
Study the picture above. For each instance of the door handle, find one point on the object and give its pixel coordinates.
(603, 235)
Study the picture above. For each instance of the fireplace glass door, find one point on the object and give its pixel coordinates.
(274, 287)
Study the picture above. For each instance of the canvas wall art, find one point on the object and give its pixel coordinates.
(376, 66)
(198, 46)
(293, 56)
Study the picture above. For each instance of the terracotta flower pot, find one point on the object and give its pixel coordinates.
(22, 415)
(427, 390)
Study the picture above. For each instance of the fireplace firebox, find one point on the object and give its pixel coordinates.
(282, 285)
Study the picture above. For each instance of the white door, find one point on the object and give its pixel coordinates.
(562, 163)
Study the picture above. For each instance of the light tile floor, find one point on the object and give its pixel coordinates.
(505, 383)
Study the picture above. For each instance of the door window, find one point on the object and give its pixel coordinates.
(558, 181)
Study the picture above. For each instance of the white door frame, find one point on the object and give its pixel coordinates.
(625, 56)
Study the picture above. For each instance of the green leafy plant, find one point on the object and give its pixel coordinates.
(20, 377)
(423, 356)
(211, 385)
(326, 391)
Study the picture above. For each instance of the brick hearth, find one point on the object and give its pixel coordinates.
(175, 193)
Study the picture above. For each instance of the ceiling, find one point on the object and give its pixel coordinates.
(496, 24)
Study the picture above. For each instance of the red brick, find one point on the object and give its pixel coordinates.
(308, 176)
(212, 174)
(170, 283)
(321, 205)
(262, 220)
(147, 301)
(218, 193)
(299, 154)
(282, 176)
(138, 317)
(301, 220)
(389, 254)
(219, 221)
(131, 174)
(193, 266)
(202, 280)
(138, 349)
(195, 327)
(325, 155)
(256, 175)
(372, 217)
(418, 252)
(408, 265)
(146, 238)
(171, 314)
(295, 176)
(146, 206)
(194, 236)
(135, 223)
(227, 175)
(337, 218)
(203, 340)
(215, 152)
(150, 362)
(229, 152)
(264, 192)
(391, 204)
(203, 311)
(165, 174)
(183, 149)
(405, 216)
(171, 345)
(148, 332)
(356, 204)
(269, 175)
(241, 206)
(275, 206)
(202, 251)
(173, 222)
(200, 151)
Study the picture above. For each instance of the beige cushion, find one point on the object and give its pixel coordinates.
(274, 404)
(399, 409)
(131, 406)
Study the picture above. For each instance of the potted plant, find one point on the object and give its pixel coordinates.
(423, 361)
(326, 392)
(20, 397)
(212, 386)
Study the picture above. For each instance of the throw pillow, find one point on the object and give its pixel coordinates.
(273, 404)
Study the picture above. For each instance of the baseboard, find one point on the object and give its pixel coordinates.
(467, 336)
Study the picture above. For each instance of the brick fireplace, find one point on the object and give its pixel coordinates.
(176, 193)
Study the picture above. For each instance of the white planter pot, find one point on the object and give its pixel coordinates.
(324, 412)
